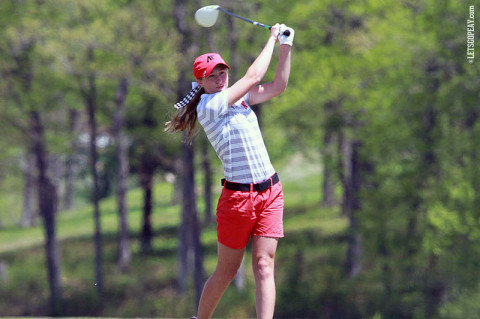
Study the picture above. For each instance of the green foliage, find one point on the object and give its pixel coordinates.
(150, 279)
(390, 74)
(461, 305)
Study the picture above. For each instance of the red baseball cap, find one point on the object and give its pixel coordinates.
(204, 64)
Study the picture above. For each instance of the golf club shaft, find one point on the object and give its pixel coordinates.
(287, 32)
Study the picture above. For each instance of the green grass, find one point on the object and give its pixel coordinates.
(148, 287)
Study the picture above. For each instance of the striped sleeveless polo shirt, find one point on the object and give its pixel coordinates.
(235, 135)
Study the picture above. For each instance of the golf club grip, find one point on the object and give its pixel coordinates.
(286, 32)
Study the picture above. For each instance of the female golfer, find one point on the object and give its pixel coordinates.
(251, 203)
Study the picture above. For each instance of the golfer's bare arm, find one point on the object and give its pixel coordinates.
(256, 71)
(265, 92)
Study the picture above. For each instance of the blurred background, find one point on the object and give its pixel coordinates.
(375, 141)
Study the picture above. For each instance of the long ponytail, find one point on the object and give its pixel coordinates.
(186, 117)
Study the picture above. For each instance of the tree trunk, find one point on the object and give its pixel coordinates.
(146, 172)
(351, 206)
(46, 191)
(207, 170)
(147, 228)
(258, 107)
(344, 165)
(91, 106)
(3, 272)
(70, 163)
(177, 191)
(125, 253)
(28, 216)
(47, 200)
(189, 233)
(233, 44)
(334, 121)
(328, 199)
(190, 245)
(434, 284)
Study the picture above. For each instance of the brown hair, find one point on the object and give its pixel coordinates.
(186, 117)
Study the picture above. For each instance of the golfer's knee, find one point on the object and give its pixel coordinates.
(263, 267)
(226, 272)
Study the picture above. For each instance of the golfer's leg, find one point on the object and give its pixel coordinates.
(263, 263)
(228, 262)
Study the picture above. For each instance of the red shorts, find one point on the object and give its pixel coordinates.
(241, 215)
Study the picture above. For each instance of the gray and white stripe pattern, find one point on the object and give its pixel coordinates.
(235, 135)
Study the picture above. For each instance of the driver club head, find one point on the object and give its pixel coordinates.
(207, 16)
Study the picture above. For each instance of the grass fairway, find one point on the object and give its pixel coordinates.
(314, 242)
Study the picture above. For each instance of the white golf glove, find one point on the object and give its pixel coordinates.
(286, 39)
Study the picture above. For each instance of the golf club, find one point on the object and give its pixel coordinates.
(207, 16)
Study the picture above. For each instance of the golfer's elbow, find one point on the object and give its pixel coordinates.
(280, 87)
(276, 90)
(254, 76)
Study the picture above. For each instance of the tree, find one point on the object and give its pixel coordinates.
(22, 89)
(28, 166)
(412, 107)
(189, 233)
(25, 94)
(351, 207)
(48, 203)
(71, 164)
(89, 94)
(125, 253)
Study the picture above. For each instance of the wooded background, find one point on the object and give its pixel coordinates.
(381, 98)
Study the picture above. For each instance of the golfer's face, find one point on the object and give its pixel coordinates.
(217, 80)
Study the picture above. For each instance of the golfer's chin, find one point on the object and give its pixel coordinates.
(220, 88)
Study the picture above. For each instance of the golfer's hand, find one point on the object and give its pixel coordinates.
(275, 31)
(288, 40)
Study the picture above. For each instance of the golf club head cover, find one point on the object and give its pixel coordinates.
(286, 39)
